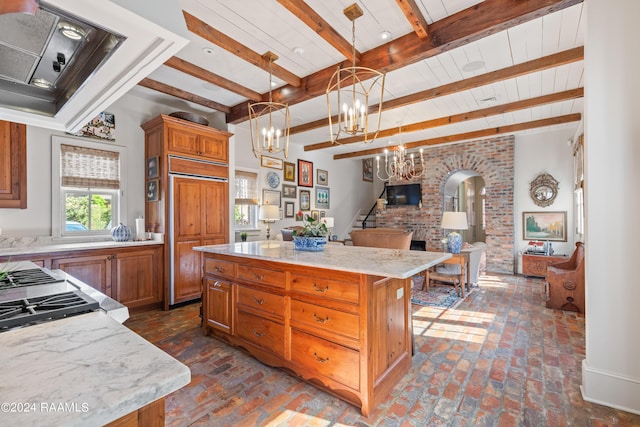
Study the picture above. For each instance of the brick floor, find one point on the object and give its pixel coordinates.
(500, 358)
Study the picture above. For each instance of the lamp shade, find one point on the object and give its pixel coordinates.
(454, 221)
(328, 221)
(269, 213)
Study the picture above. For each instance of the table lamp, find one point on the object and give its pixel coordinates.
(269, 214)
(454, 221)
(328, 222)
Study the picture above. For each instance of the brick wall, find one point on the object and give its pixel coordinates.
(493, 160)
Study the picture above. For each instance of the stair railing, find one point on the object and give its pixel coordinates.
(369, 221)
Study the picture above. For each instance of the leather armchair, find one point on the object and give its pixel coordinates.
(565, 281)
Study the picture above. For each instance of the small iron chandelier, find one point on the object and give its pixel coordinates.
(401, 166)
(349, 90)
(269, 122)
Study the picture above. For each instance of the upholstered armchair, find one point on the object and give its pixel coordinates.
(382, 237)
(565, 281)
(287, 232)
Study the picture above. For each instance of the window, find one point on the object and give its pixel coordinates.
(87, 201)
(246, 200)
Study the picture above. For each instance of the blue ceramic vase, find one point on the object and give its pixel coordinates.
(121, 233)
(312, 244)
(454, 242)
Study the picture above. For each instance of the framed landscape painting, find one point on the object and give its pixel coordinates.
(289, 172)
(544, 226)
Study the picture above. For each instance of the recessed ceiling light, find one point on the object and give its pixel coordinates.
(45, 84)
(298, 50)
(473, 66)
(208, 51)
(71, 31)
(385, 35)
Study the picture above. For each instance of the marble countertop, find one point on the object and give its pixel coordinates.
(357, 259)
(80, 371)
(35, 248)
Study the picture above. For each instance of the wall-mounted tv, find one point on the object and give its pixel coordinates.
(405, 194)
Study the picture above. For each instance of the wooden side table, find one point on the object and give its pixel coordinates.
(535, 265)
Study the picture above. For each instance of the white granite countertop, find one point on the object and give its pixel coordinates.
(20, 248)
(85, 370)
(357, 259)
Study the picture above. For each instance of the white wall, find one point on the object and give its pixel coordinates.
(547, 152)
(611, 370)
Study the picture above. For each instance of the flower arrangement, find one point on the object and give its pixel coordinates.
(312, 228)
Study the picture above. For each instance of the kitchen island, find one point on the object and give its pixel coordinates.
(339, 319)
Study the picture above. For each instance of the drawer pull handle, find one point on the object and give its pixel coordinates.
(219, 269)
(258, 334)
(258, 276)
(320, 319)
(216, 285)
(320, 359)
(258, 301)
(322, 290)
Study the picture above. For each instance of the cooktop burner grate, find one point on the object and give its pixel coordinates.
(26, 311)
(30, 277)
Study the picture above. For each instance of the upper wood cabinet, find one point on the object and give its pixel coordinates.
(13, 165)
(190, 139)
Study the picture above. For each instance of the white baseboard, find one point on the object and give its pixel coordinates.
(608, 389)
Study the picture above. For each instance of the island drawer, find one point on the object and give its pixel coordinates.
(262, 275)
(327, 322)
(325, 288)
(264, 333)
(262, 301)
(326, 358)
(219, 268)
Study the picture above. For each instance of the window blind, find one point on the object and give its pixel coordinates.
(246, 188)
(89, 168)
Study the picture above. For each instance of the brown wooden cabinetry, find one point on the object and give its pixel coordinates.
(536, 265)
(132, 276)
(347, 333)
(94, 270)
(193, 169)
(13, 165)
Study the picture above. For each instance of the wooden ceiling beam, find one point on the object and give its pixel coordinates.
(206, 75)
(220, 39)
(569, 118)
(414, 16)
(182, 94)
(482, 20)
(544, 63)
(314, 21)
(463, 117)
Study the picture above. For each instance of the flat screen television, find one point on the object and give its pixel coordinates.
(405, 194)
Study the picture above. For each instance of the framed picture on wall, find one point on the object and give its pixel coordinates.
(305, 200)
(544, 226)
(152, 190)
(270, 162)
(289, 172)
(271, 197)
(289, 191)
(322, 177)
(289, 209)
(152, 167)
(322, 198)
(367, 170)
(305, 173)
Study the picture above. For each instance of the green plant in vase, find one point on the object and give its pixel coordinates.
(243, 236)
(312, 236)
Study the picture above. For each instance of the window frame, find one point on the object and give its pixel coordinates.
(58, 192)
(254, 225)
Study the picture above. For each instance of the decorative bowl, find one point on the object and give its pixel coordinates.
(311, 244)
(121, 233)
(191, 117)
